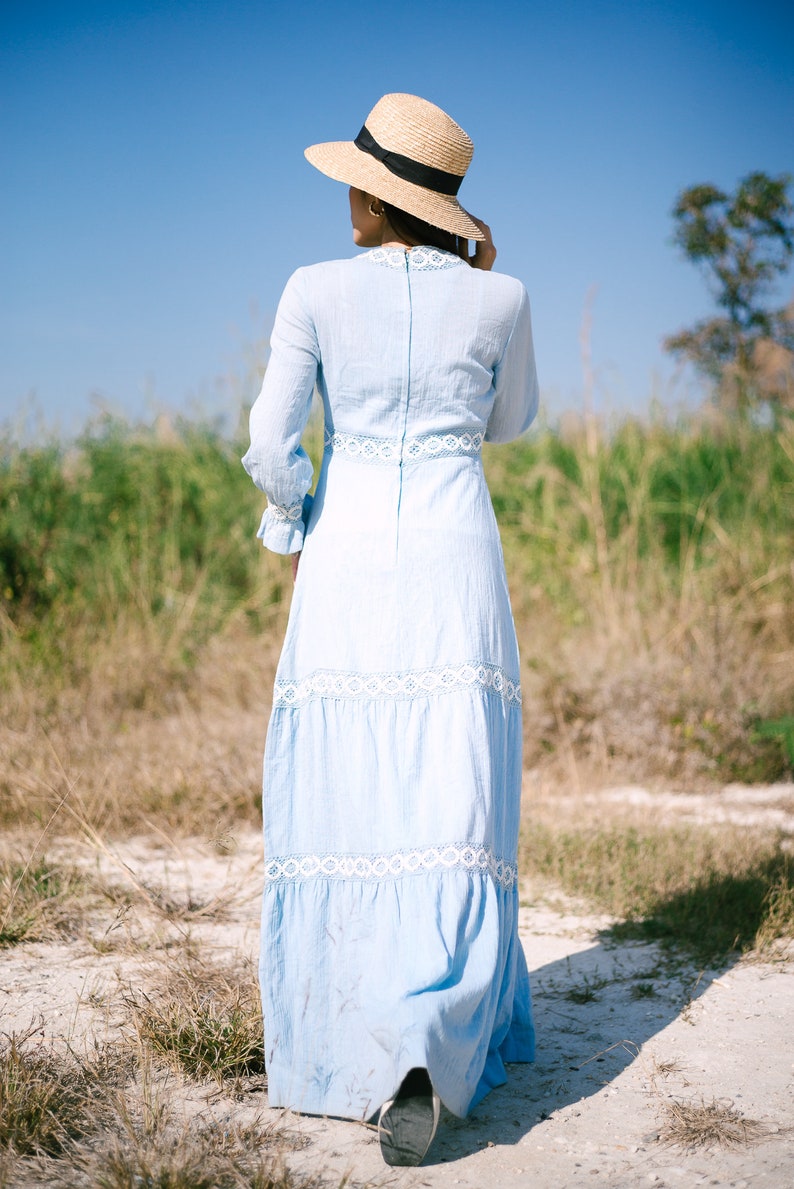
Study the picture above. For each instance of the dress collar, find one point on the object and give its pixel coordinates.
(423, 256)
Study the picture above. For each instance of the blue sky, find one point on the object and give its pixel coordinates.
(155, 197)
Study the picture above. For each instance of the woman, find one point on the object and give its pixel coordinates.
(392, 975)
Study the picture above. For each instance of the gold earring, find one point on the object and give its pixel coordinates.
(378, 214)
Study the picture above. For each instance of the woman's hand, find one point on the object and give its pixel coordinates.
(295, 559)
(484, 250)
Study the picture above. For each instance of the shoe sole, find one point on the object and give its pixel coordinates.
(406, 1128)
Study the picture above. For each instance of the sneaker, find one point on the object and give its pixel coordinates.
(408, 1122)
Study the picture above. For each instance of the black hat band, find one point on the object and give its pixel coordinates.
(407, 169)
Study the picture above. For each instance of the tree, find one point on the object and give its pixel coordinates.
(743, 242)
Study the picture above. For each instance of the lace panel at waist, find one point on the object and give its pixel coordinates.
(455, 443)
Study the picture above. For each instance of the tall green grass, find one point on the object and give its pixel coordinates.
(649, 566)
(652, 577)
(125, 521)
(674, 500)
(128, 518)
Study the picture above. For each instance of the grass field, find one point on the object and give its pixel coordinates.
(652, 578)
(650, 572)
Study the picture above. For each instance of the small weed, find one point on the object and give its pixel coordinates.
(204, 1022)
(587, 992)
(666, 1068)
(35, 900)
(708, 1125)
(181, 905)
(48, 1099)
(778, 920)
(643, 991)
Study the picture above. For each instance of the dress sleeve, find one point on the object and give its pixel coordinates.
(275, 460)
(515, 381)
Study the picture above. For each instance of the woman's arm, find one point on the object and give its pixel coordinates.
(515, 376)
(275, 460)
(484, 250)
(515, 380)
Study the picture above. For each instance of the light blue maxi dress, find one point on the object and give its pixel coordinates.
(392, 774)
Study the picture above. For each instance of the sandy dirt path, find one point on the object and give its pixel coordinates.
(624, 1034)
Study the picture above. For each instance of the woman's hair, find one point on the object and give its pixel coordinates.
(414, 230)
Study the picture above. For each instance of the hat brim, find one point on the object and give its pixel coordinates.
(344, 162)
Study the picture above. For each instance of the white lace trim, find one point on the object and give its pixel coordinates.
(456, 443)
(291, 515)
(447, 857)
(416, 683)
(423, 256)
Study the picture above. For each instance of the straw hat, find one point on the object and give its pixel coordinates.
(409, 153)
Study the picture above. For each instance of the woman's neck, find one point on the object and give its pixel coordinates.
(390, 239)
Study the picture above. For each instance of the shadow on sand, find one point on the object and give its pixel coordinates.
(594, 1011)
(597, 1007)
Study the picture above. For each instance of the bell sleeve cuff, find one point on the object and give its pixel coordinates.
(282, 529)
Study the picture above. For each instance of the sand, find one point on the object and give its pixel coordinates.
(628, 1037)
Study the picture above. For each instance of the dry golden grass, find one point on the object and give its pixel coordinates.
(112, 1117)
(599, 710)
(189, 762)
(708, 1125)
(182, 1158)
(50, 1098)
(673, 709)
